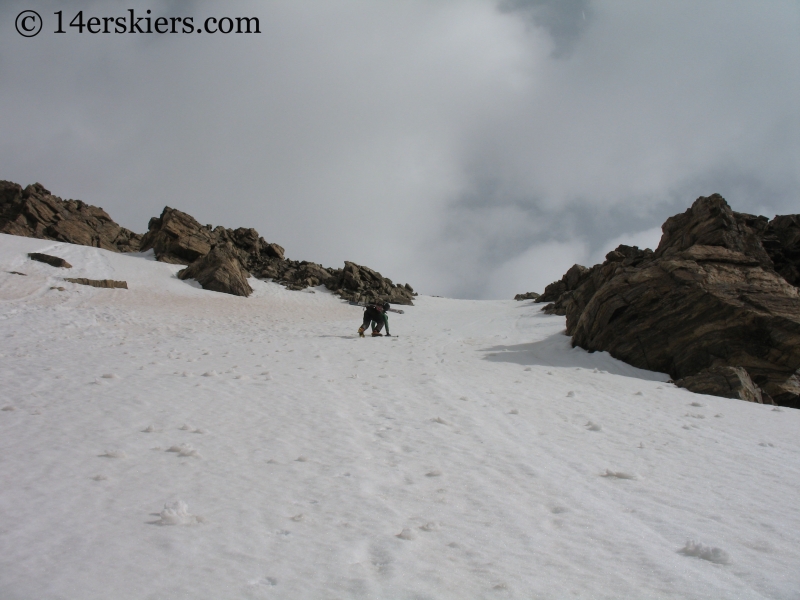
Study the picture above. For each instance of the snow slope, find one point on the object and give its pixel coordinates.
(169, 442)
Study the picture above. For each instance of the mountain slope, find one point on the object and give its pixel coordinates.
(167, 441)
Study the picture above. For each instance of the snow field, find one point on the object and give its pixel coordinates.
(165, 441)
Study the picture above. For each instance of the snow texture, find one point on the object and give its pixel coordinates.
(476, 455)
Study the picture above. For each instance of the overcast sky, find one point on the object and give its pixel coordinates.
(475, 149)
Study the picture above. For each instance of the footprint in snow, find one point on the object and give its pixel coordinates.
(184, 450)
(513, 411)
(697, 404)
(210, 374)
(177, 513)
(184, 427)
(406, 534)
(526, 369)
(593, 426)
(100, 477)
(617, 474)
(766, 444)
(301, 459)
(570, 394)
(715, 555)
(114, 454)
(148, 429)
(9, 408)
(110, 376)
(298, 517)
(440, 420)
(433, 473)
(430, 527)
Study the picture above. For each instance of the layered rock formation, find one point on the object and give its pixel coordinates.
(35, 212)
(719, 291)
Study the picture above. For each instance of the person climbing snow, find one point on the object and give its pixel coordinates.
(375, 315)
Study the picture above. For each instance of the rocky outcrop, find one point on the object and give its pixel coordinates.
(53, 261)
(178, 238)
(98, 283)
(362, 284)
(527, 296)
(708, 297)
(35, 212)
(220, 270)
(221, 259)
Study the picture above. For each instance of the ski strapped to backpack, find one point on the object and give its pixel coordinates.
(364, 305)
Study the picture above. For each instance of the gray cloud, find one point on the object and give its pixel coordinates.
(470, 149)
(564, 20)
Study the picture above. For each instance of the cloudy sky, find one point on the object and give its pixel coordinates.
(475, 149)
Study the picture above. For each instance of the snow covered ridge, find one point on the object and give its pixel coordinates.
(219, 259)
(717, 305)
(167, 441)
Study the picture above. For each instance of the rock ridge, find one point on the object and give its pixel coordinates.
(719, 291)
(220, 259)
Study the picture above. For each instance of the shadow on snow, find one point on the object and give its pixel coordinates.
(557, 351)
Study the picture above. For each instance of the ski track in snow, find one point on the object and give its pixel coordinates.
(166, 441)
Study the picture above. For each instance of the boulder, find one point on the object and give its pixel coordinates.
(708, 297)
(219, 271)
(35, 212)
(728, 382)
(177, 238)
(527, 296)
(53, 261)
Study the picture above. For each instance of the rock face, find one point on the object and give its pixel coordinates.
(35, 212)
(220, 271)
(708, 297)
(178, 238)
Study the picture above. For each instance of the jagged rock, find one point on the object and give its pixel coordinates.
(35, 212)
(362, 284)
(177, 238)
(527, 296)
(274, 251)
(99, 283)
(53, 261)
(570, 280)
(728, 382)
(709, 296)
(220, 271)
